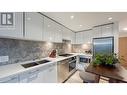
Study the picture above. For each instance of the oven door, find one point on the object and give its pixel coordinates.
(72, 66)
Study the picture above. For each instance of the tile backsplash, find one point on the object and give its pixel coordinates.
(22, 50)
(81, 48)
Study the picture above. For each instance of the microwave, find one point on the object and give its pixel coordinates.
(84, 59)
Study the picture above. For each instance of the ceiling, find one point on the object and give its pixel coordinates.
(86, 20)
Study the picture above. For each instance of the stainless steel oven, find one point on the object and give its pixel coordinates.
(72, 65)
(65, 68)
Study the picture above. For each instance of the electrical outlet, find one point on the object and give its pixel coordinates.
(4, 58)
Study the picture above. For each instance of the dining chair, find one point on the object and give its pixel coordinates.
(88, 77)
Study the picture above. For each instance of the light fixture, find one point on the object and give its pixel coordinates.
(80, 25)
(85, 46)
(125, 29)
(110, 18)
(72, 17)
(89, 42)
(49, 44)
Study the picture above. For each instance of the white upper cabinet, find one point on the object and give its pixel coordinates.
(84, 37)
(80, 38)
(52, 31)
(107, 30)
(11, 25)
(97, 32)
(66, 34)
(77, 36)
(34, 26)
(88, 35)
(48, 30)
(73, 38)
(103, 31)
(57, 32)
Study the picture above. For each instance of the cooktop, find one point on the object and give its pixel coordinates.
(66, 55)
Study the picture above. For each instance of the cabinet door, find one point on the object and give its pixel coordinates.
(57, 32)
(33, 76)
(33, 26)
(48, 30)
(11, 79)
(16, 29)
(88, 36)
(97, 32)
(24, 77)
(73, 38)
(77, 38)
(107, 30)
(50, 74)
(66, 34)
(69, 34)
(80, 38)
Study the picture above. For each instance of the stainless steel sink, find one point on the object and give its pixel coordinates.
(43, 61)
(27, 65)
(65, 55)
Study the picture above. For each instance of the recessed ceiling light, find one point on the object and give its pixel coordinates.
(72, 17)
(110, 18)
(80, 25)
(125, 29)
(89, 42)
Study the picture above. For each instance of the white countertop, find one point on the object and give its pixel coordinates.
(13, 69)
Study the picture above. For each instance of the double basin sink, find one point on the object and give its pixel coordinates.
(27, 65)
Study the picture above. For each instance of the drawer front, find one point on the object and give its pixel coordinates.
(28, 76)
(33, 75)
(23, 77)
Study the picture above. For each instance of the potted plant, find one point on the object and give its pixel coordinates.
(105, 59)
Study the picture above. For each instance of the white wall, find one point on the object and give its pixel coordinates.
(122, 34)
(116, 36)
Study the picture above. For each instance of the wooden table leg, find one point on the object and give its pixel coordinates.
(97, 78)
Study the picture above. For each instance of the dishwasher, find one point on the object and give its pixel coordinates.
(63, 70)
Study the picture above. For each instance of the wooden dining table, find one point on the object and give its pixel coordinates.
(116, 74)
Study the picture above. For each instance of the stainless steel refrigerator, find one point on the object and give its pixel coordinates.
(103, 45)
